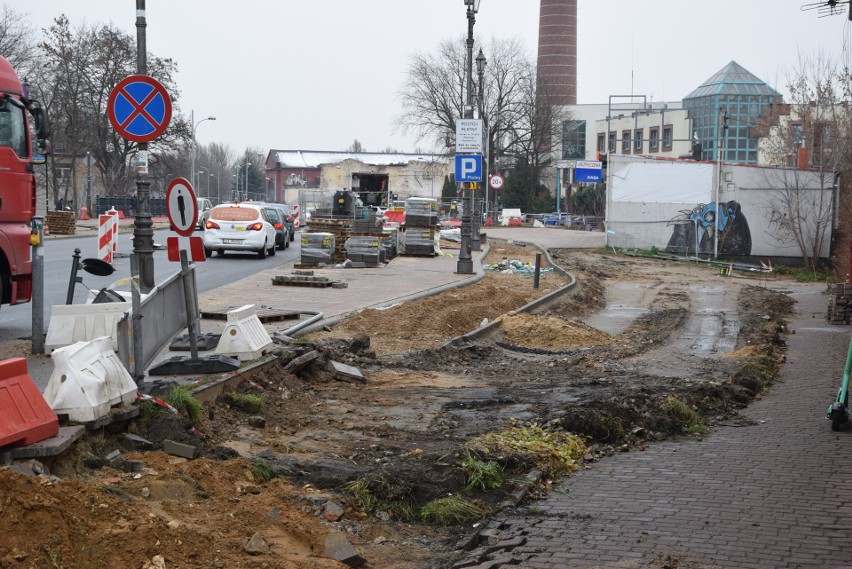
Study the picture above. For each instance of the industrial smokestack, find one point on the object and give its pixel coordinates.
(557, 51)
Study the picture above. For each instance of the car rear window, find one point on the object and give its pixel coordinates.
(235, 213)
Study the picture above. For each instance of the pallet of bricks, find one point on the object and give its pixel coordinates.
(364, 244)
(339, 228)
(61, 222)
(390, 242)
(421, 222)
(317, 249)
(840, 306)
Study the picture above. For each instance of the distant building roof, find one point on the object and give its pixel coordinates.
(733, 79)
(315, 158)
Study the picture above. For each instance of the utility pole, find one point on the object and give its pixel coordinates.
(143, 231)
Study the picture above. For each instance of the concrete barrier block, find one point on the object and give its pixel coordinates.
(88, 379)
(70, 323)
(244, 336)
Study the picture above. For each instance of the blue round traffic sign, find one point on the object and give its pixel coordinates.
(139, 108)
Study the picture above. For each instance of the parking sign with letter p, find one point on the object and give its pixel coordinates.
(468, 168)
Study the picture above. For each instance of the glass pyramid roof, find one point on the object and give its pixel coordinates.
(733, 79)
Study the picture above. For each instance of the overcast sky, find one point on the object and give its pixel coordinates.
(317, 74)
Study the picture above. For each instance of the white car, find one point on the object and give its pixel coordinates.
(239, 227)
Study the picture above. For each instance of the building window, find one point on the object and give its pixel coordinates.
(638, 139)
(601, 143)
(625, 142)
(612, 141)
(667, 137)
(654, 139)
(573, 140)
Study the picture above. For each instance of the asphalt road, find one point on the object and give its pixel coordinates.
(16, 321)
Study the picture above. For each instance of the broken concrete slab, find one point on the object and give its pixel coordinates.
(133, 442)
(298, 364)
(53, 446)
(345, 372)
(178, 449)
(338, 547)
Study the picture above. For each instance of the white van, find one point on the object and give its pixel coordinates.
(511, 216)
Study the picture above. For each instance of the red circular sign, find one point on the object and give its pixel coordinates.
(139, 108)
(496, 182)
(181, 207)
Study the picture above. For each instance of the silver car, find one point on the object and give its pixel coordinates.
(239, 227)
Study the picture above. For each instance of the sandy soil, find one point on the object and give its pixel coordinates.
(600, 360)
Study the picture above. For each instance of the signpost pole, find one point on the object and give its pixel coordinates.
(143, 232)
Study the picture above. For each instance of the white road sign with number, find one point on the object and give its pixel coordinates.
(496, 182)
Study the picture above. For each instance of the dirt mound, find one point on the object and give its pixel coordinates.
(389, 452)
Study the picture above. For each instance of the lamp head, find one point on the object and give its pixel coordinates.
(211, 118)
(472, 5)
(480, 62)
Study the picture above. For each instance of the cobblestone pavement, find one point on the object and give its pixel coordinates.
(774, 494)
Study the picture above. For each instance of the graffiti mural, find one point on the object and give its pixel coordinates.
(694, 230)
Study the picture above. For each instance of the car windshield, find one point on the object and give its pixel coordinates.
(235, 213)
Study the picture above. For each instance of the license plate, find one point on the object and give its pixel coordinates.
(232, 241)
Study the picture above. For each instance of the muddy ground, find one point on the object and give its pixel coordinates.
(637, 350)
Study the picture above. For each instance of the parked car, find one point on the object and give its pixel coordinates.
(239, 227)
(557, 218)
(204, 207)
(287, 221)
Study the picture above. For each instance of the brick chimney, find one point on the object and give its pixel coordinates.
(557, 50)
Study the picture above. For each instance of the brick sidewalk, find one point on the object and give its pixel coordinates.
(772, 495)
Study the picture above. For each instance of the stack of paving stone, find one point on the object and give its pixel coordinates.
(365, 249)
(317, 248)
(367, 222)
(390, 242)
(341, 229)
(421, 221)
(840, 306)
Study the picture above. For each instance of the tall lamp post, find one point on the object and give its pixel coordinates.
(218, 195)
(465, 262)
(192, 150)
(246, 188)
(480, 103)
(197, 181)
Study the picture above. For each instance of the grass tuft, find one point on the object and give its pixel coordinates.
(451, 510)
(688, 417)
(485, 475)
(261, 471)
(553, 452)
(181, 399)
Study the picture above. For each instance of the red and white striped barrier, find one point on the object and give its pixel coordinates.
(295, 215)
(107, 235)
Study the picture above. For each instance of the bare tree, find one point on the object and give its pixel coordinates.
(812, 132)
(433, 95)
(356, 146)
(18, 41)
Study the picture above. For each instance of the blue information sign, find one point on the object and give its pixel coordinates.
(588, 171)
(468, 168)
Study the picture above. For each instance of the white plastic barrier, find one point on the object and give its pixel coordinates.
(244, 336)
(71, 323)
(88, 379)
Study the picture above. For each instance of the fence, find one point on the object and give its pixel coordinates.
(128, 205)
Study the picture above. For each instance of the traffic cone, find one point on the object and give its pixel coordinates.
(46, 230)
(84, 213)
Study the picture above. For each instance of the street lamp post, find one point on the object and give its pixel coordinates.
(192, 149)
(218, 194)
(465, 262)
(197, 182)
(246, 188)
(480, 93)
